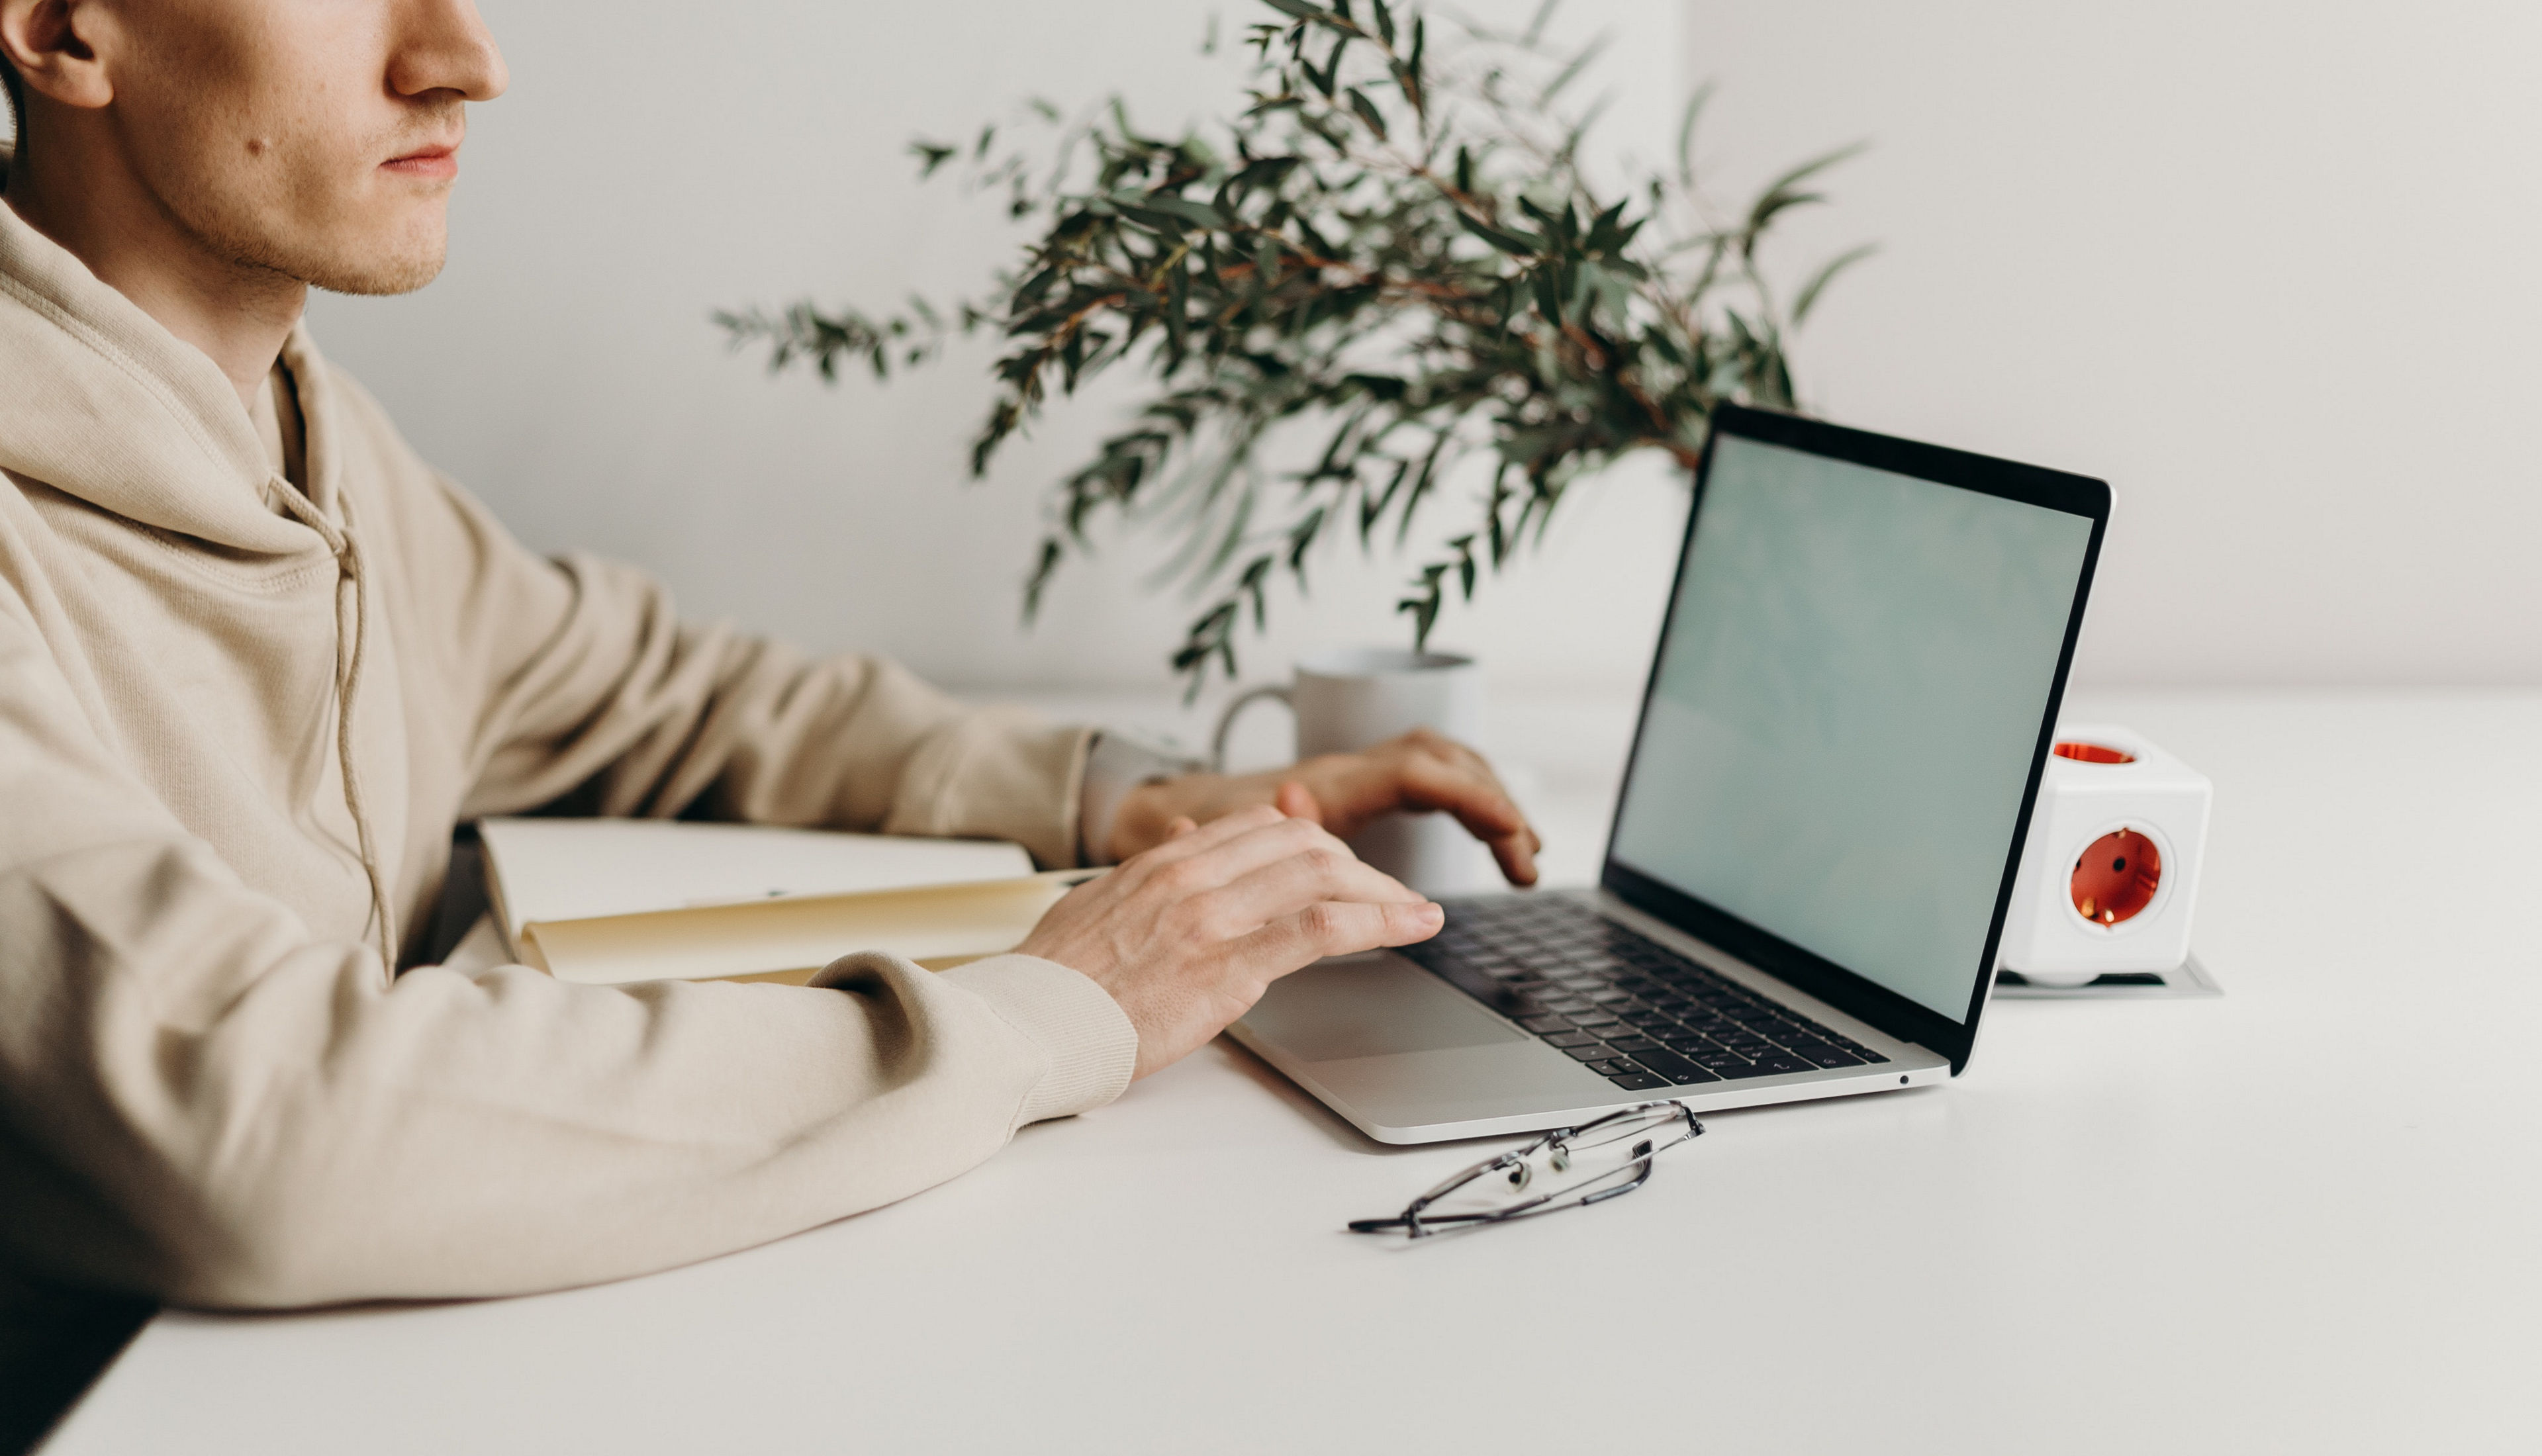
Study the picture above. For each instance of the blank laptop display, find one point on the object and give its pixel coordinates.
(1841, 727)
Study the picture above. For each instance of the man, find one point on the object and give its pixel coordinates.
(256, 660)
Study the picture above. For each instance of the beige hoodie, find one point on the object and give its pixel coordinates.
(211, 1088)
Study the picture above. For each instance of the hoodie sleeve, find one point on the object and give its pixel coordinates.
(203, 1101)
(594, 690)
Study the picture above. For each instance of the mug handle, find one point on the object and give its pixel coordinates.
(1227, 720)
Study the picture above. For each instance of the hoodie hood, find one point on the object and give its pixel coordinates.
(106, 405)
(100, 401)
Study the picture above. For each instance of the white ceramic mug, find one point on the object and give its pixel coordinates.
(1348, 698)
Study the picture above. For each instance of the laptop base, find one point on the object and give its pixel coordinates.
(1407, 1058)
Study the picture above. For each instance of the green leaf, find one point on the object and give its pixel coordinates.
(1406, 82)
(1809, 291)
(1570, 72)
(1509, 241)
(1301, 538)
(1367, 110)
(1424, 608)
(1184, 209)
(1052, 553)
(1548, 295)
(932, 154)
(1771, 205)
(1778, 194)
(1685, 134)
(1536, 27)
(1301, 9)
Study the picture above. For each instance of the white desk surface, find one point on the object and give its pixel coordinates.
(2301, 1217)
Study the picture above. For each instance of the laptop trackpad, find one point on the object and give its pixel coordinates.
(1372, 1005)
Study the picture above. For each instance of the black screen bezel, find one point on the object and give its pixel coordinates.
(1850, 991)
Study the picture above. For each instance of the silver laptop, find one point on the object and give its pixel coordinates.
(1814, 850)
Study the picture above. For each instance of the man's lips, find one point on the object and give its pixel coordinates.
(440, 160)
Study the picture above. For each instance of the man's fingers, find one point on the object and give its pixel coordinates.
(1336, 927)
(1478, 802)
(1284, 886)
(1517, 857)
(1266, 842)
(1473, 796)
(1296, 801)
(1204, 838)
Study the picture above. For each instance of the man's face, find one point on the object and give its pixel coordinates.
(317, 138)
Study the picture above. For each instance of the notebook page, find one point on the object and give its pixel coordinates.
(576, 869)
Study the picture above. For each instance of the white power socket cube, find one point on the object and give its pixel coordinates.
(2109, 875)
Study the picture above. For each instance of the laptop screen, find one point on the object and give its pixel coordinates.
(1849, 699)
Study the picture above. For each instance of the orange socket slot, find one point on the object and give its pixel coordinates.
(2116, 878)
(2091, 753)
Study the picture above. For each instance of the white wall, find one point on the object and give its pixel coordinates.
(2266, 265)
(2263, 265)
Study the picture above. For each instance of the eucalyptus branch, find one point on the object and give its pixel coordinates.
(1394, 249)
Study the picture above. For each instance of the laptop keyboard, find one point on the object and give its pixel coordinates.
(1635, 1013)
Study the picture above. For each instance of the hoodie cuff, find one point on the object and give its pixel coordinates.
(1088, 1045)
(1115, 764)
(997, 774)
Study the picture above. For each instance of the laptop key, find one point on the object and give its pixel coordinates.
(1676, 1069)
(1636, 1081)
(1597, 991)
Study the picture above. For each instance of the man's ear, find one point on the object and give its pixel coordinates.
(48, 43)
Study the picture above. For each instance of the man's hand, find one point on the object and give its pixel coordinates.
(1418, 772)
(1188, 934)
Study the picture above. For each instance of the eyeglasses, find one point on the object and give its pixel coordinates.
(1587, 1164)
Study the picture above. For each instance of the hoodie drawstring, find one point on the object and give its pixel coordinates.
(348, 677)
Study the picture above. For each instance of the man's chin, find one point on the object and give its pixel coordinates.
(379, 275)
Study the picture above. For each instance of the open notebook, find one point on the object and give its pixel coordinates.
(609, 900)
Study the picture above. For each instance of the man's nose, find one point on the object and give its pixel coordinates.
(444, 46)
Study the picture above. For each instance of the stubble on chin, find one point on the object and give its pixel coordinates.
(407, 265)
(304, 221)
